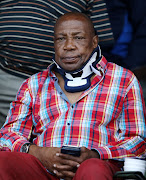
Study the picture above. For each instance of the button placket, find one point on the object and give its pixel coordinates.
(70, 111)
(68, 125)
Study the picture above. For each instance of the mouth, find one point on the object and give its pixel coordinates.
(70, 59)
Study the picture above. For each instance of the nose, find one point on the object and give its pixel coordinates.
(69, 44)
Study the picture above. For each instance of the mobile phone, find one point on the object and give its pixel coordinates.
(72, 150)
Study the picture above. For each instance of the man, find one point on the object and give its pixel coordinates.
(81, 100)
(26, 38)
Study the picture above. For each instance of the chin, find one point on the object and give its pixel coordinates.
(70, 68)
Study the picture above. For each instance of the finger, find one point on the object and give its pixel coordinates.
(70, 163)
(78, 160)
(59, 167)
(58, 174)
(64, 174)
(64, 168)
(68, 174)
(67, 178)
(68, 157)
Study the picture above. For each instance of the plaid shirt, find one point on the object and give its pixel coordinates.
(108, 117)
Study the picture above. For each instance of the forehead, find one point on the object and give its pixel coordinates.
(72, 26)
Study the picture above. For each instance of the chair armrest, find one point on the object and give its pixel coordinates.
(129, 174)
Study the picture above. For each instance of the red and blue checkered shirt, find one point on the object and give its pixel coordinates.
(108, 117)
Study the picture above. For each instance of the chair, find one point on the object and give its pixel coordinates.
(129, 175)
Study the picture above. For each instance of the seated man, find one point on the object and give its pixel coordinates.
(80, 100)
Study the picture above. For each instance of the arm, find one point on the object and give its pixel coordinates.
(17, 128)
(130, 127)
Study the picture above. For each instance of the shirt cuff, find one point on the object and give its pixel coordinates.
(18, 144)
(104, 152)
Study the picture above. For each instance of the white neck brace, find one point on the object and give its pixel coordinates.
(80, 80)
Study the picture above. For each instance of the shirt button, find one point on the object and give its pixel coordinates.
(72, 106)
(68, 124)
(60, 93)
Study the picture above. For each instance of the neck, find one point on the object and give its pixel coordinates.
(72, 97)
(80, 79)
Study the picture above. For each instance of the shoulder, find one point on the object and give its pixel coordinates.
(119, 69)
(38, 78)
(35, 81)
(120, 73)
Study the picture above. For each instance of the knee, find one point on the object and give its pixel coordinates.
(93, 165)
(8, 160)
(93, 169)
(4, 157)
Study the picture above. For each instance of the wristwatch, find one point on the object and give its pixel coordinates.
(25, 147)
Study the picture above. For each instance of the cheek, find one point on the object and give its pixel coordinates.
(86, 51)
(57, 46)
(58, 49)
(85, 46)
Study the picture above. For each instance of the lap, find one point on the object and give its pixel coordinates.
(97, 169)
(22, 166)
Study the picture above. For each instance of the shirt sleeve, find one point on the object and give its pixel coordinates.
(132, 127)
(17, 129)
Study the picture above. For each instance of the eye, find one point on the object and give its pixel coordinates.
(79, 37)
(60, 38)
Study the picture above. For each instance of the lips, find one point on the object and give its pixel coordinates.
(70, 59)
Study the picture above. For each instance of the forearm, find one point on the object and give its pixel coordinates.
(11, 141)
(18, 126)
(36, 151)
(12, 137)
(128, 147)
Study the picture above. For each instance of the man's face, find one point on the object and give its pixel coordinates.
(73, 43)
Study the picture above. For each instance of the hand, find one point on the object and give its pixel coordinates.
(85, 154)
(46, 155)
(62, 165)
(70, 162)
(50, 157)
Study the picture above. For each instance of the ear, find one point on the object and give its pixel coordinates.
(95, 41)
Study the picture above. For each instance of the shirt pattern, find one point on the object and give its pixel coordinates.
(108, 117)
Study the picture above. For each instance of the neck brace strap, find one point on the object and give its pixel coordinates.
(79, 80)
